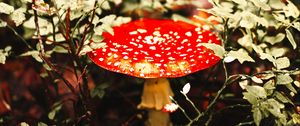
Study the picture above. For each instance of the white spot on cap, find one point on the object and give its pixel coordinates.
(189, 34)
(113, 49)
(109, 54)
(130, 49)
(171, 58)
(141, 30)
(133, 43)
(156, 33)
(207, 61)
(133, 33)
(175, 33)
(157, 55)
(125, 57)
(116, 56)
(179, 48)
(197, 29)
(152, 47)
(140, 46)
(117, 63)
(125, 53)
(101, 59)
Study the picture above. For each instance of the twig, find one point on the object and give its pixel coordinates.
(42, 51)
(87, 28)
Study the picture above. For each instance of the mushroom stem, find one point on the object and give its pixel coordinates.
(158, 118)
(156, 95)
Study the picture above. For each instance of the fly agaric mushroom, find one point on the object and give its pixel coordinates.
(156, 50)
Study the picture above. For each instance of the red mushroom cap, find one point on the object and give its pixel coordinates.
(151, 48)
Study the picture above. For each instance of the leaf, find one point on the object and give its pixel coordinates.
(261, 4)
(5, 8)
(291, 88)
(257, 115)
(296, 25)
(256, 80)
(34, 54)
(243, 83)
(104, 4)
(291, 10)
(278, 52)
(186, 88)
(241, 2)
(282, 63)
(2, 24)
(246, 41)
(24, 124)
(256, 91)
(241, 55)
(51, 115)
(121, 20)
(283, 79)
(274, 39)
(296, 118)
(282, 98)
(269, 85)
(2, 58)
(290, 37)
(42, 124)
(218, 50)
(18, 16)
(250, 98)
(109, 19)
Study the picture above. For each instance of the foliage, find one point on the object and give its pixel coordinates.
(252, 31)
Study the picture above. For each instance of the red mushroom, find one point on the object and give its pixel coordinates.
(156, 50)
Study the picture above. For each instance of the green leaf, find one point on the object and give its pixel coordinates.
(290, 37)
(269, 85)
(296, 118)
(241, 2)
(274, 39)
(291, 88)
(282, 98)
(291, 10)
(24, 124)
(282, 63)
(246, 41)
(18, 16)
(296, 25)
(42, 124)
(218, 50)
(121, 20)
(257, 115)
(256, 80)
(5, 8)
(261, 4)
(250, 98)
(51, 115)
(256, 91)
(34, 54)
(283, 79)
(241, 55)
(278, 52)
(2, 24)
(273, 106)
(109, 19)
